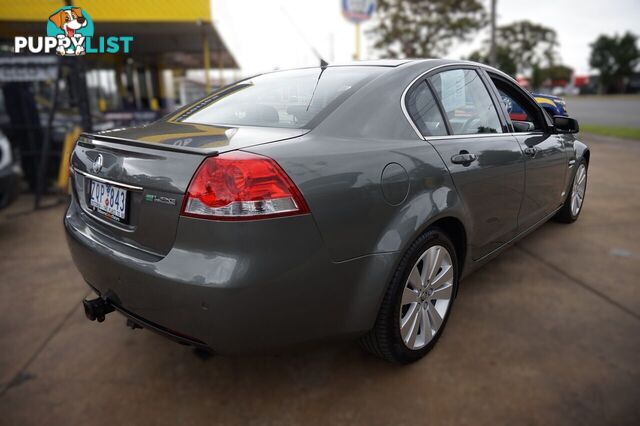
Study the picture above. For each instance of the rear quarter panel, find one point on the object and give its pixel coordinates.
(340, 179)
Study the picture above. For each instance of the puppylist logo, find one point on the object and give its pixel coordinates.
(70, 33)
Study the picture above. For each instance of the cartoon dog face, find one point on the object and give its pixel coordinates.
(69, 20)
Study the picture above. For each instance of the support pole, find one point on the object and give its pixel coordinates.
(206, 58)
(492, 47)
(220, 69)
(356, 56)
(46, 144)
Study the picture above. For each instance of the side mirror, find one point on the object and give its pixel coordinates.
(523, 126)
(565, 124)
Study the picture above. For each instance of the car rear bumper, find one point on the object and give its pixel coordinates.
(238, 287)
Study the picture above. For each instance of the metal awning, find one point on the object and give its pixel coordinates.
(166, 44)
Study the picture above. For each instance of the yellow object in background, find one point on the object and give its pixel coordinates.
(112, 10)
(63, 171)
(154, 105)
(102, 104)
(545, 101)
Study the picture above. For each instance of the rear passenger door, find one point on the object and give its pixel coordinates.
(545, 156)
(485, 161)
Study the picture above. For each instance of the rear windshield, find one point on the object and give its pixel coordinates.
(289, 99)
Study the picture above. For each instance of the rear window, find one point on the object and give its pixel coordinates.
(289, 99)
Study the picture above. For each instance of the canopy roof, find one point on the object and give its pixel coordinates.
(167, 33)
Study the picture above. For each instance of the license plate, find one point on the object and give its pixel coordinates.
(108, 200)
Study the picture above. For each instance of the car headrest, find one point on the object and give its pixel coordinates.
(262, 114)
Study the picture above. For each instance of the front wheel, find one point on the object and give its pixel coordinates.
(572, 206)
(417, 303)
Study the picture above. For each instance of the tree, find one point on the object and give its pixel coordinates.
(555, 73)
(616, 58)
(532, 45)
(421, 28)
(522, 47)
(505, 61)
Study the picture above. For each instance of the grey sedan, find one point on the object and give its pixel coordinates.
(303, 205)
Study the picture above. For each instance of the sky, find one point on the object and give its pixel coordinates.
(274, 34)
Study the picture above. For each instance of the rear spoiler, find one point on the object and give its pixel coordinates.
(113, 141)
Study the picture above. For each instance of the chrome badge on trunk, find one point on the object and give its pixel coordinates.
(152, 198)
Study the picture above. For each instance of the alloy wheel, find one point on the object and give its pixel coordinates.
(578, 190)
(426, 297)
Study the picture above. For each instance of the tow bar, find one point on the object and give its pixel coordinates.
(97, 309)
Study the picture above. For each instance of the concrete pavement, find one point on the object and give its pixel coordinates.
(548, 333)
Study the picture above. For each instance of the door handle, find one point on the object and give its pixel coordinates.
(531, 151)
(464, 158)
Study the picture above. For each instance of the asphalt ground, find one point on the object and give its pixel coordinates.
(548, 333)
(615, 110)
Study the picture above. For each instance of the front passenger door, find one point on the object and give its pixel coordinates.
(545, 157)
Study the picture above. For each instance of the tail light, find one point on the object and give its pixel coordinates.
(239, 186)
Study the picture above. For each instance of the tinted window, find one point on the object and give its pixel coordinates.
(424, 111)
(466, 102)
(514, 109)
(518, 105)
(281, 99)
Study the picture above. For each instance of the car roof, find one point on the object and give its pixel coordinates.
(416, 63)
(373, 63)
(420, 64)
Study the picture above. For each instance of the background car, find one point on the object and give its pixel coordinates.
(9, 173)
(554, 105)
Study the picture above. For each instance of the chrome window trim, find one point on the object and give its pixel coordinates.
(465, 64)
(469, 136)
(481, 135)
(110, 182)
(536, 133)
(406, 89)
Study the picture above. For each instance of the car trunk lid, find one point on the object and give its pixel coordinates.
(151, 167)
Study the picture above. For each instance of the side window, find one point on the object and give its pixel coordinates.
(466, 102)
(518, 105)
(514, 109)
(424, 111)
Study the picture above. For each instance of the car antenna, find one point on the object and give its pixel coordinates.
(322, 68)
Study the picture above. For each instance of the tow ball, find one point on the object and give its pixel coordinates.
(97, 309)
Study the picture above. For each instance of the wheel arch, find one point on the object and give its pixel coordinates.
(453, 226)
(586, 155)
(455, 230)
(581, 151)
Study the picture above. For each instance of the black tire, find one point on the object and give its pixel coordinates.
(384, 340)
(565, 214)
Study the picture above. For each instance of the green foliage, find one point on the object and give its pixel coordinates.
(618, 132)
(615, 57)
(522, 47)
(505, 61)
(553, 72)
(532, 45)
(557, 72)
(420, 28)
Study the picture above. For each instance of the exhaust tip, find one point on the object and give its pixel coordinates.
(97, 309)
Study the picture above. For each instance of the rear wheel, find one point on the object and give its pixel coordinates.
(417, 303)
(573, 204)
